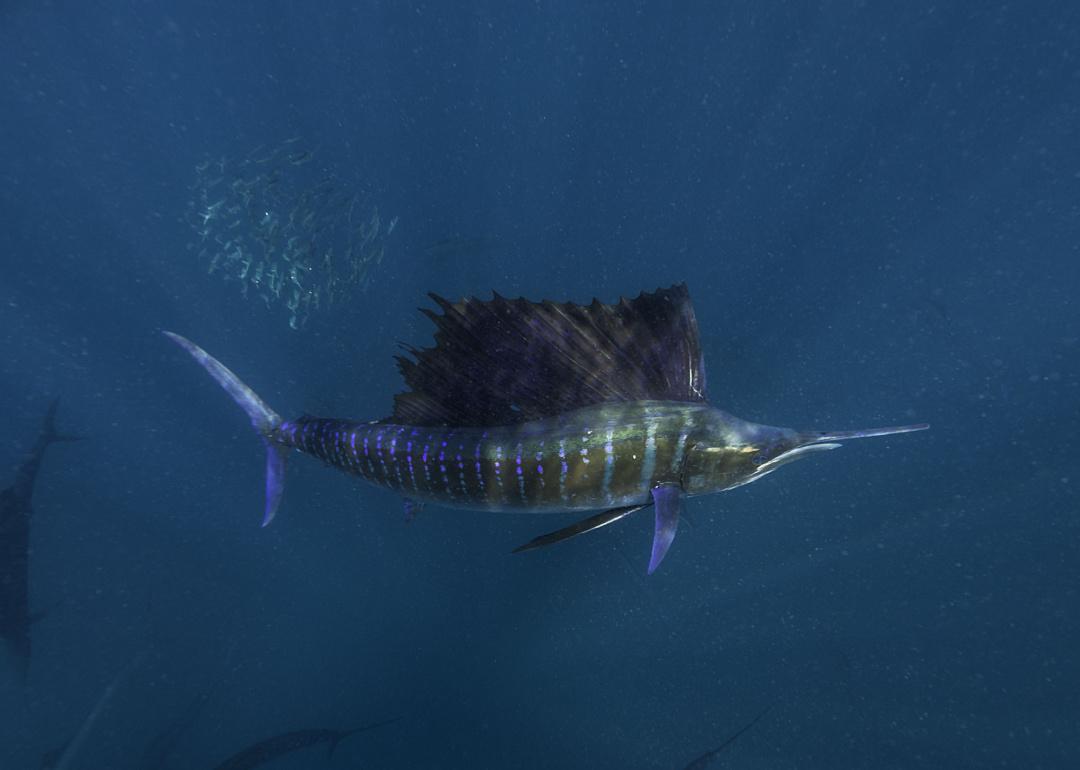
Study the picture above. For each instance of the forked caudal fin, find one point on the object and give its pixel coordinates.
(49, 432)
(264, 419)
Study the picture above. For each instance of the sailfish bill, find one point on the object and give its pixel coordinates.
(845, 435)
(545, 407)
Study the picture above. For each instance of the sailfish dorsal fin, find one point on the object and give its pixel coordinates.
(503, 361)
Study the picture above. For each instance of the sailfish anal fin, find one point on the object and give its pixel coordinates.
(579, 527)
(666, 498)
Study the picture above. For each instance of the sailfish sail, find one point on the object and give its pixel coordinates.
(503, 361)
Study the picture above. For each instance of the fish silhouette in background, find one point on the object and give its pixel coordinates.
(546, 407)
(15, 514)
(163, 745)
(706, 759)
(272, 748)
(50, 758)
(62, 758)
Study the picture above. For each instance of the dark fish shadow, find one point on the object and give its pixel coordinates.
(706, 759)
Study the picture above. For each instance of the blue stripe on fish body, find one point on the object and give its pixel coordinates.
(394, 460)
(412, 467)
(478, 463)
(461, 470)
(442, 470)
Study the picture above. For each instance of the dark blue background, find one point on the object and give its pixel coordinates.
(875, 206)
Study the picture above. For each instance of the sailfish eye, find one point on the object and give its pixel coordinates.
(767, 453)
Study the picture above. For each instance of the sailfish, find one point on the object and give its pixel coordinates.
(545, 407)
(16, 513)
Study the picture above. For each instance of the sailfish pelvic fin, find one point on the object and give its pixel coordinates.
(264, 419)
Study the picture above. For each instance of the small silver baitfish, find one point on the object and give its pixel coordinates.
(546, 407)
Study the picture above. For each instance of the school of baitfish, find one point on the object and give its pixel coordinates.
(287, 231)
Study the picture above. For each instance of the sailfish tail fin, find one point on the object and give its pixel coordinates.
(264, 419)
(49, 432)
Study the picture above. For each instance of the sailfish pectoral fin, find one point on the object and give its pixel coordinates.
(580, 527)
(666, 497)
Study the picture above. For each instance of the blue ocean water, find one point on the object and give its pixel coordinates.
(876, 208)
